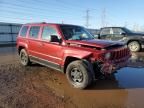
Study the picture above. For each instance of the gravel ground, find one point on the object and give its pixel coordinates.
(21, 87)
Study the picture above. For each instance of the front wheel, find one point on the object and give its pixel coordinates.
(78, 74)
(134, 46)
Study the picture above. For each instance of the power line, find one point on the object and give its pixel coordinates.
(8, 17)
(34, 8)
(63, 4)
(29, 13)
(29, 19)
(13, 8)
(26, 10)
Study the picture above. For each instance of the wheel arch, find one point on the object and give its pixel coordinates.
(68, 60)
(131, 40)
(75, 55)
(20, 48)
(139, 44)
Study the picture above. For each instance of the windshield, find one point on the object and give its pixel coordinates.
(75, 33)
(127, 30)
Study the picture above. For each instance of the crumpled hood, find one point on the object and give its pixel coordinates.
(94, 43)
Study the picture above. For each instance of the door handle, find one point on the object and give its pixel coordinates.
(28, 41)
(41, 44)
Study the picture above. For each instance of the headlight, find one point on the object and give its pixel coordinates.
(107, 56)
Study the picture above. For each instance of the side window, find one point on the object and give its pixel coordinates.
(24, 31)
(34, 31)
(117, 31)
(47, 32)
(105, 31)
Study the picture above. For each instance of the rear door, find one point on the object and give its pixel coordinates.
(34, 41)
(117, 34)
(106, 33)
(22, 36)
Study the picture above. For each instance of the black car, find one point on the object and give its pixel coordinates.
(135, 41)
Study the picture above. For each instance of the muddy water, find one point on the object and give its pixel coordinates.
(125, 89)
(120, 91)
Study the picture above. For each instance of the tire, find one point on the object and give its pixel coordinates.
(79, 74)
(24, 59)
(134, 46)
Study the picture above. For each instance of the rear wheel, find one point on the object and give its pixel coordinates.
(134, 46)
(24, 59)
(78, 74)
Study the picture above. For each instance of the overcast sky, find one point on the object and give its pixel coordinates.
(110, 12)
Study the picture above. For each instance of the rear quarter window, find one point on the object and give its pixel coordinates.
(24, 31)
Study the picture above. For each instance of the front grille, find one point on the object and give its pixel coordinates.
(118, 54)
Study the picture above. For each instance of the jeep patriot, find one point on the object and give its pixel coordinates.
(72, 50)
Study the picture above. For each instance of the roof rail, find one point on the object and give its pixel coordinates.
(37, 23)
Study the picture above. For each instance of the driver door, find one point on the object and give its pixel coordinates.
(106, 34)
(117, 34)
(52, 52)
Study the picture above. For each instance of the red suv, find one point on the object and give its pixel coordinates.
(70, 49)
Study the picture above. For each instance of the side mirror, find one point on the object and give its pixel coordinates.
(123, 34)
(54, 38)
(99, 36)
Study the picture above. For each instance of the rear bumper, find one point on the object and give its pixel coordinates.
(113, 66)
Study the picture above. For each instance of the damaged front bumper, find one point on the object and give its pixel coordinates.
(112, 66)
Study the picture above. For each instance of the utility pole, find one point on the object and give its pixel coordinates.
(103, 18)
(87, 18)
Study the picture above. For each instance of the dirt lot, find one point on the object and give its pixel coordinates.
(40, 87)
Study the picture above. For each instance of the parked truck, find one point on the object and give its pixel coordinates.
(135, 41)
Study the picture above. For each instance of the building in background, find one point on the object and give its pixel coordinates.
(8, 32)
